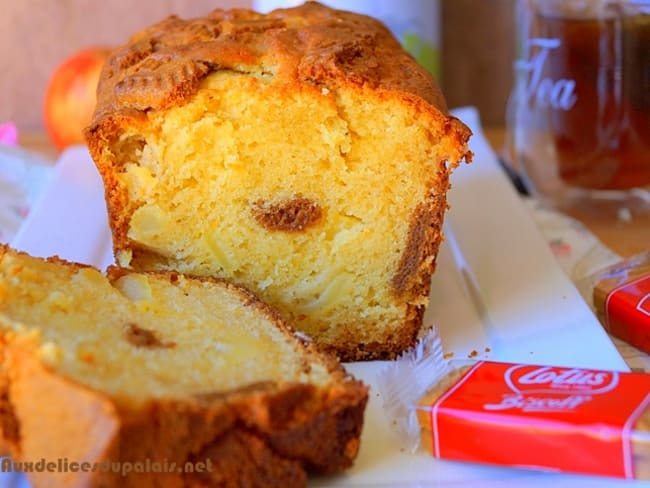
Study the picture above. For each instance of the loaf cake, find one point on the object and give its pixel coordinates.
(132, 371)
(302, 153)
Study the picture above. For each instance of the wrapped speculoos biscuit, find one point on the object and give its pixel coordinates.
(621, 299)
(552, 418)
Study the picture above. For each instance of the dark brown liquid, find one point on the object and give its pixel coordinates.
(603, 141)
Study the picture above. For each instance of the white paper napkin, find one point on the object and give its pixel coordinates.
(23, 176)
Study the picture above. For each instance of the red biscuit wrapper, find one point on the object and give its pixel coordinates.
(621, 298)
(573, 420)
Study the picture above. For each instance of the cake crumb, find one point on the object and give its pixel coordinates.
(473, 354)
(487, 349)
(448, 355)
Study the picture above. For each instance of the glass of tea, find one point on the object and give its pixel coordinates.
(579, 114)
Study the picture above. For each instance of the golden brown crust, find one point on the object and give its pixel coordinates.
(162, 65)
(243, 459)
(9, 433)
(118, 207)
(402, 337)
(297, 427)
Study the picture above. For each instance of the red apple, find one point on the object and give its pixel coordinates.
(70, 97)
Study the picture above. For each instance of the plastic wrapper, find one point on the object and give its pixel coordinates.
(621, 299)
(552, 418)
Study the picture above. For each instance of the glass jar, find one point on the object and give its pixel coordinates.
(579, 114)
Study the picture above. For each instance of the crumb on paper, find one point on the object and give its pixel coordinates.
(448, 355)
(487, 349)
(473, 354)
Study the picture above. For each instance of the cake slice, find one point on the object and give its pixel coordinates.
(303, 154)
(136, 372)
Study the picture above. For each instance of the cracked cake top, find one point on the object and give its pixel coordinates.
(163, 65)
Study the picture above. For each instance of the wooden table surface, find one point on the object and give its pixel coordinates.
(625, 237)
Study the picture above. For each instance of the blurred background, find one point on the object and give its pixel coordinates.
(476, 51)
